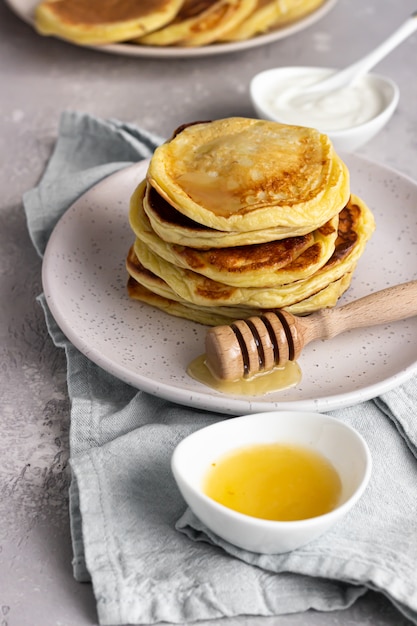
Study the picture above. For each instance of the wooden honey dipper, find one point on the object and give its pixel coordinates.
(248, 347)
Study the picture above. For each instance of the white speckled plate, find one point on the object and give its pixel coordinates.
(84, 280)
(25, 10)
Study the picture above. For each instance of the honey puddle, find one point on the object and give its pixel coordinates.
(274, 481)
(265, 382)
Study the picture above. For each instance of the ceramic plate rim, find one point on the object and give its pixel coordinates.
(204, 398)
(24, 10)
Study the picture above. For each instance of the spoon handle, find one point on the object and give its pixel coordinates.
(398, 36)
(361, 67)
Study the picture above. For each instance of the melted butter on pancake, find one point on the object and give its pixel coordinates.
(243, 174)
(232, 173)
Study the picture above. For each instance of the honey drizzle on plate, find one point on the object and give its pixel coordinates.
(262, 383)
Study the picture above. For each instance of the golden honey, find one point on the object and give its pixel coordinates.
(274, 482)
(276, 379)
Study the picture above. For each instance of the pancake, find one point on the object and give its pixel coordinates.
(240, 216)
(270, 14)
(264, 264)
(241, 174)
(174, 227)
(98, 22)
(296, 10)
(265, 14)
(200, 22)
(325, 298)
(356, 224)
(151, 290)
(147, 287)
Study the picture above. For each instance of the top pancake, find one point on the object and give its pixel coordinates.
(242, 174)
(103, 21)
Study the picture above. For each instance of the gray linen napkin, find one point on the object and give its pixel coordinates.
(148, 557)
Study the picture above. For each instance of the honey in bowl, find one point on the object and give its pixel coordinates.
(279, 482)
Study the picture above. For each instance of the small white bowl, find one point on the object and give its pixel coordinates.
(342, 445)
(266, 83)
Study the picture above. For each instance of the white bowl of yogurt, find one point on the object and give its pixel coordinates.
(350, 115)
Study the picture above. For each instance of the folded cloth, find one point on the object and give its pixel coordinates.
(148, 557)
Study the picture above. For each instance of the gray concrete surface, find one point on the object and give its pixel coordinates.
(39, 78)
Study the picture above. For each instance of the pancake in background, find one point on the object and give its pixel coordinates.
(241, 174)
(200, 22)
(356, 224)
(269, 15)
(264, 265)
(265, 14)
(103, 21)
(296, 10)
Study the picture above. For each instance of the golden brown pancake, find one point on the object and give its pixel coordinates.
(265, 264)
(271, 14)
(174, 227)
(356, 226)
(265, 14)
(146, 287)
(98, 22)
(200, 22)
(240, 216)
(241, 174)
(295, 10)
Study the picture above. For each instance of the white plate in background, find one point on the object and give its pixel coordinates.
(84, 280)
(25, 10)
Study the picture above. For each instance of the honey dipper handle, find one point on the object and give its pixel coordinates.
(388, 305)
(245, 348)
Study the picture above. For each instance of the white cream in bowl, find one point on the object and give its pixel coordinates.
(350, 115)
(341, 445)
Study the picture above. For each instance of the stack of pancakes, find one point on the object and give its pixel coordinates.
(166, 22)
(238, 216)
